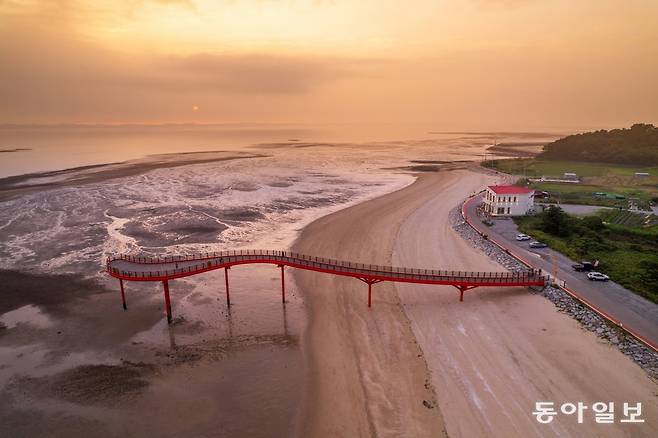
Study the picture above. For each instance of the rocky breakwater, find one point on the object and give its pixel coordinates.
(640, 353)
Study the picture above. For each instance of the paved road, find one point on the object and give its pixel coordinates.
(632, 310)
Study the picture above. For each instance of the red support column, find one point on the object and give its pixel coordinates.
(463, 289)
(283, 286)
(228, 296)
(123, 295)
(369, 282)
(369, 294)
(165, 283)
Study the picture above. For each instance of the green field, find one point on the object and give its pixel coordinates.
(595, 178)
(534, 167)
(628, 218)
(627, 253)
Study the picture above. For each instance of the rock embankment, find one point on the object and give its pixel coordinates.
(642, 355)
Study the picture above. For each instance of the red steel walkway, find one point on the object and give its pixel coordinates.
(132, 268)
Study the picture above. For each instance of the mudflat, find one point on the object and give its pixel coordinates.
(14, 186)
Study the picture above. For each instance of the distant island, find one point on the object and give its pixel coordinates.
(14, 150)
(637, 145)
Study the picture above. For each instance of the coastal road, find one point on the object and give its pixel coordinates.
(632, 310)
(493, 356)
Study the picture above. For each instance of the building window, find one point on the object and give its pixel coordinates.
(501, 210)
(508, 210)
(515, 199)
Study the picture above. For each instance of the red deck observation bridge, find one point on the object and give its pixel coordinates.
(134, 268)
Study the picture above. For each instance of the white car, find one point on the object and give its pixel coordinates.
(522, 237)
(597, 276)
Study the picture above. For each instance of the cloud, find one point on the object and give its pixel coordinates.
(184, 3)
(56, 75)
(503, 3)
(51, 70)
(249, 73)
(174, 2)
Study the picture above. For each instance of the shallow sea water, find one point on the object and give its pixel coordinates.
(254, 387)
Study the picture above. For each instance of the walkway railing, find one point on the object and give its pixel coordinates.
(141, 268)
(136, 268)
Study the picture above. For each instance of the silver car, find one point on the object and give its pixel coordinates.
(597, 276)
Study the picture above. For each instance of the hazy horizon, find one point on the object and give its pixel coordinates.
(459, 65)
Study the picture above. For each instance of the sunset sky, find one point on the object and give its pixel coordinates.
(458, 64)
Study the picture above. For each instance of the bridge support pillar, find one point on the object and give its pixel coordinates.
(463, 289)
(123, 295)
(283, 285)
(370, 282)
(228, 295)
(165, 284)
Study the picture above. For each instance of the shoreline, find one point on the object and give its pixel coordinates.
(24, 184)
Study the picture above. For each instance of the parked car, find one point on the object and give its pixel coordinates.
(537, 245)
(597, 276)
(584, 266)
(522, 237)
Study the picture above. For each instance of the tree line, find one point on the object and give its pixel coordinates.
(637, 145)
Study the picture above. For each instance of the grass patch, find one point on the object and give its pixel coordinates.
(586, 194)
(595, 177)
(628, 254)
(537, 167)
(629, 218)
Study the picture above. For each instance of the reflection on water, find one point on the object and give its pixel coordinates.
(29, 314)
(54, 148)
(237, 370)
(46, 148)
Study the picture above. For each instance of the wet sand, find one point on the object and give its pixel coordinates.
(490, 358)
(85, 367)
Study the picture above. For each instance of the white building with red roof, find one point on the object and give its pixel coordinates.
(508, 200)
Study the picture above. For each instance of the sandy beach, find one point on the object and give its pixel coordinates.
(479, 365)
(367, 374)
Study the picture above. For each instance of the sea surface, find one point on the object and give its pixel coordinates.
(287, 177)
